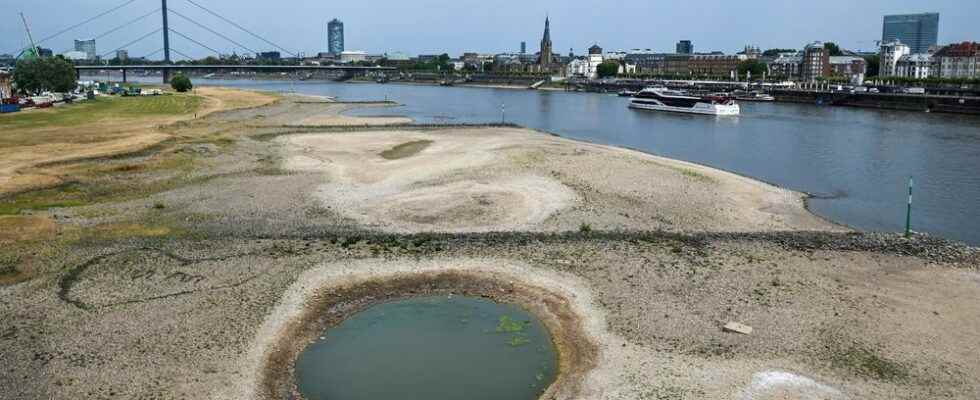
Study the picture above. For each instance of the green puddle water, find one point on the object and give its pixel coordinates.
(431, 348)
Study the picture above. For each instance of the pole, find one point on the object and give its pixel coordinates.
(908, 213)
(166, 42)
(503, 114)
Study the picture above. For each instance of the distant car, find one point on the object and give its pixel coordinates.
(873, 90)
(915, 90)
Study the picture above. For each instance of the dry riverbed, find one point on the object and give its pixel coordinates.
(252, 222)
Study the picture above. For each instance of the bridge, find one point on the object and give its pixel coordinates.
(167, 67)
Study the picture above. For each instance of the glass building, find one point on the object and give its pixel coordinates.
(335, 37)
(918, 31)
(685, 47)
(87, 47)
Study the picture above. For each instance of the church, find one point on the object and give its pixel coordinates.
(548, 61)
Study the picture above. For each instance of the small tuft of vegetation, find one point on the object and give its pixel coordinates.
(862, 360)
(510, 325)
(518, 340)
(159, 206)
(696, 175)
(585, 228)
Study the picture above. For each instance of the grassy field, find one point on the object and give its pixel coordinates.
(23, 128)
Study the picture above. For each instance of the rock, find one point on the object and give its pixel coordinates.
(738, 328)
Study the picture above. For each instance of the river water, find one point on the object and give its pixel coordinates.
(857, 162)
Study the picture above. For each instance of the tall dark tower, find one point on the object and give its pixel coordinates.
(546, 57)
(335, 37)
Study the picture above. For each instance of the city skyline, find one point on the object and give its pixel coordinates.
(471, 26)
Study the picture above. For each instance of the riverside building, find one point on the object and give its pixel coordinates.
(918, 31)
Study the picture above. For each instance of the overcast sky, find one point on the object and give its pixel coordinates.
(435, 26)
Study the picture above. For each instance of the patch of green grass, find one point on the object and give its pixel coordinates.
(101, 108)
(406, 150)
(585, 228)
(65, 196)
(696, 175)
(101, 184)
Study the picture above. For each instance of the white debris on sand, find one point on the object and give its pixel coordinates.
(773, 385)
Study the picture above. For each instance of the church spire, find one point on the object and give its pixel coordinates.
(547, 28)
(546, 54)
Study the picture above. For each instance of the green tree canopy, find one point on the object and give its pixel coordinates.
(758, 68)
(607, 69)
(52, 74)
(874, 65)
(775, 52)
(833, 48)
(181, 83)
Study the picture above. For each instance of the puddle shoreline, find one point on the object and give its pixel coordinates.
(329, 305)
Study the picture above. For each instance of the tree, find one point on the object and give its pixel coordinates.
(874, 64)
(181, 83)
(41, 74)
(607, 69)
(775, 52)
(833, 49)
(756, 67)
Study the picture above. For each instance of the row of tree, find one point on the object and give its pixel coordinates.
(36, 75)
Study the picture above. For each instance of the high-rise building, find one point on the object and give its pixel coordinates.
(87, 47)
(523, 47)
(816, 62)
(546, 56)
(685, 47)
(335, 37)
(918, 31)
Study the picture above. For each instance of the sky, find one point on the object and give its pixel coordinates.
(494, 26)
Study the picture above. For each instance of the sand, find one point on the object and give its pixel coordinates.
(196, 298)
(504, 179)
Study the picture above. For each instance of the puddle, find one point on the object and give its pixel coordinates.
(430, 348)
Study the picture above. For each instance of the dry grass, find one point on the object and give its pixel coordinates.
(103, 127)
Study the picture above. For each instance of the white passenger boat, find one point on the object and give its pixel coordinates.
(658, 99)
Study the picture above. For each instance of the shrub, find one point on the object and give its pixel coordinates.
(181, 83)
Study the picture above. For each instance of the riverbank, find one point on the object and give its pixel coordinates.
(186, 291)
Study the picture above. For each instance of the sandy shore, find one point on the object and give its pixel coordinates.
(503, 179)
(207, 287)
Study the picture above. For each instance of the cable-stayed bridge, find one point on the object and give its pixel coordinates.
(165, 30)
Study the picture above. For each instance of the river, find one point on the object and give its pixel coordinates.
(856, 162)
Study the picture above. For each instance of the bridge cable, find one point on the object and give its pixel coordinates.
(240, 27)
(158, 30)
(189, 58)
(155, 52)
(211, 30)
(59, 33)
(195, 42)
(113, 30)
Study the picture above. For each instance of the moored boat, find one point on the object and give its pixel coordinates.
(753, 96)
(658, 99)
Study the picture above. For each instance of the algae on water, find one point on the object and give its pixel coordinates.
(509, 325)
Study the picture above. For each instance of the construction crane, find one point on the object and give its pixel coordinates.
(30, 37)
